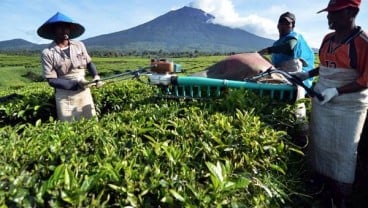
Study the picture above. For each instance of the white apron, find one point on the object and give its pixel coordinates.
(73, 105)
(296, 65)
(336, 126)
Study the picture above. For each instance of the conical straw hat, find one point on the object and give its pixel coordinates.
(47, 30)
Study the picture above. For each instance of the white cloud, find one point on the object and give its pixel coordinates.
(226, 15)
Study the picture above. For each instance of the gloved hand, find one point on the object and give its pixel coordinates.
(301, 75)
(97, 81)
(96, 78)
(83, 83)
(328, 94)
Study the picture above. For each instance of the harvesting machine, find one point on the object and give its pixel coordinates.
(164, 74)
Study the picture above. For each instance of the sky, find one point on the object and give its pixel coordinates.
(22, 18)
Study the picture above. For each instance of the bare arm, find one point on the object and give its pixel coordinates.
(285, 48)
(349, 88)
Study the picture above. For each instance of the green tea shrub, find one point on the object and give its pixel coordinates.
(144, 151)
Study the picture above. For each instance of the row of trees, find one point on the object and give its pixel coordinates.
(116, 53)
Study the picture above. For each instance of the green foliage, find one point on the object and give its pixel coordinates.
(144, 151)
(36, 102)
(18, 71)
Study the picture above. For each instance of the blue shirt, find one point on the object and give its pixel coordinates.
(300, 51)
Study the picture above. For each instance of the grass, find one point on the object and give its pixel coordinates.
(14, 76)
(15, 70)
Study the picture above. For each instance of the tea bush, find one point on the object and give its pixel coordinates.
(144, 151)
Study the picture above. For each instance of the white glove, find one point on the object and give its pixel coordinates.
(301, 75)
(97, 81)
(83, 83)
(96, 78)
(328, 94)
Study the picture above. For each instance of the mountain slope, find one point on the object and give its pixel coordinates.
(17, 44)
(183, 29)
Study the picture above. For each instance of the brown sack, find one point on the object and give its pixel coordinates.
(238, 67)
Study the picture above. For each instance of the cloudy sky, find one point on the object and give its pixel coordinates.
(21, 18)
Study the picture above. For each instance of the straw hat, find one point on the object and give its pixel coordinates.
(47, 30)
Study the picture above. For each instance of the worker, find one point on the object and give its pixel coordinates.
(337, 121)
(291, 53)
(64, 63)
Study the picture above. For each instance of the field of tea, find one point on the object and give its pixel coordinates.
(145, 151)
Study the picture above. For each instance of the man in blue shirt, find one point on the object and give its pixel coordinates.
(291, 53)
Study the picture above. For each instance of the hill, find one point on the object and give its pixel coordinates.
(185, 29)
(18, 44)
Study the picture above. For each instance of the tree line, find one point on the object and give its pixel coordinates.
(116, 53)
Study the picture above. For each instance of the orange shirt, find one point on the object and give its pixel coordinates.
(351, 54)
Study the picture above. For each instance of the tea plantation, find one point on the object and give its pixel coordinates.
(143, 150)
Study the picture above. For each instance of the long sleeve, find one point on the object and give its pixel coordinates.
(91, 67)
(65, 84)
